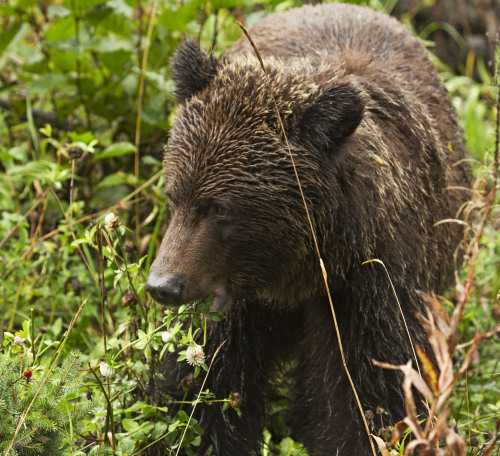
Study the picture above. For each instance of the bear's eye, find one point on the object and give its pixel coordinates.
(221, 211)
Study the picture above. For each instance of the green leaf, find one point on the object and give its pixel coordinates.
(57, 11)
(218, 4)
(142, 339)
(111, 181)
(116, 150)
(216, 316)
(115, 60)
(62, 29)
(18, 153)
(129, 425)
(7, 36)
(46, 83)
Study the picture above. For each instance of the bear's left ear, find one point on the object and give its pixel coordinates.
(193, 70)
(331, 118)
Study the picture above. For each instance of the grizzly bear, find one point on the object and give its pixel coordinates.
(378, 152)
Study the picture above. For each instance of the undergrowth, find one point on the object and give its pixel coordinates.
(83, 210)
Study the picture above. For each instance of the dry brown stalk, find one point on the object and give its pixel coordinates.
(436, 385)
(322, 266)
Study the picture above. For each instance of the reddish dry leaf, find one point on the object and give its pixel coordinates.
(490, 448)
(440, 427)
(437, 339)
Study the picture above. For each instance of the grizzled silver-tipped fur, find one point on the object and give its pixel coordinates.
(376, 144)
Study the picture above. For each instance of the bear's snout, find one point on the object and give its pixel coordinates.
(166, 288)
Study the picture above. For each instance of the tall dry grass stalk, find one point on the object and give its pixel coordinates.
(321, 264)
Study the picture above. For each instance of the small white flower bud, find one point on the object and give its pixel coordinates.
(106, 371)
(167, 336)
(109, 218)
(112, 222)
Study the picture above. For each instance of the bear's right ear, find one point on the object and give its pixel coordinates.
(192, 70)
(332, 117)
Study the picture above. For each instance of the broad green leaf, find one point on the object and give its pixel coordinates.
(62, 29)
(7, 36)
(46, 83)
(57, 11)
(129, 425)
(111, 181)
(115, 61)
(116, 150)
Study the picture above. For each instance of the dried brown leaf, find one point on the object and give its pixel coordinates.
(414, 444)
(495, 439)
(399, 431)
(440, 427)
(386, 365)
(436, 338)
(455, 443)
(439, 313)
(413, 378)
(430, 373)
(381, 445)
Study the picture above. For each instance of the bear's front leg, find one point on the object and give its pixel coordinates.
(252, 338)
(326, 417)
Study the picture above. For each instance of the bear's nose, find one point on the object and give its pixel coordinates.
(166, 288)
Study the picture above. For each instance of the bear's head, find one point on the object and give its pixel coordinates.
(238, 225)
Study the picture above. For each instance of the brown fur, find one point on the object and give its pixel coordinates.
(374, 138)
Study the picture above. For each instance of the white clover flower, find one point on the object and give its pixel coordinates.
(167, 336)
(106, 371)
(109, 218)
(18, 340)
(195, 355)
(112, 222)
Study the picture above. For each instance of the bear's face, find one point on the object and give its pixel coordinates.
(229, 233)
(238, 226)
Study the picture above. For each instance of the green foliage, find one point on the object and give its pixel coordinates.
(74, 82)
(39, 404)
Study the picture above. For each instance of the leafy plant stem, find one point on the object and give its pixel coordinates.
(24, 217)
(32, 128)
(79, 66)
(32, 334)
(71, 191)
(198, 397)
(140, 102)
(457, 316)
(109, 414)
